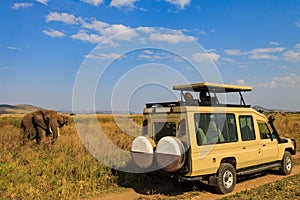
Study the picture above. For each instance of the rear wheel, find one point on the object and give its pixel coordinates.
(286, 164)
(226, 178)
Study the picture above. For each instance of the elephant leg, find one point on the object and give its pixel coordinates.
(55, 135)
(40, 133)
(25, 137)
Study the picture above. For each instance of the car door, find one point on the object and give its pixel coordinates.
(249, 154)
(269, 147)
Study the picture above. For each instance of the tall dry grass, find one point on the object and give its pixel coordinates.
(66, 170)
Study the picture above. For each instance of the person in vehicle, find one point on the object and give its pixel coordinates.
(188, 97)
(203, 97)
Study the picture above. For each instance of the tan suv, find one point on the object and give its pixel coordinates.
(204, 139)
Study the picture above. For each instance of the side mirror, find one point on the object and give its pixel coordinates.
(273, 136)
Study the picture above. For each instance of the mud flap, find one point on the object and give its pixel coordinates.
(212, 180)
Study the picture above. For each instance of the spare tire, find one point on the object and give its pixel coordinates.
(142, 151)
(170, 154)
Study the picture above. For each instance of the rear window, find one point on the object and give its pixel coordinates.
(162, 129)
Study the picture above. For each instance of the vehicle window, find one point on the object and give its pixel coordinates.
(162, 129)
(215, 128)
(145, 127)
(247, 128)
(264, 130)
(182, 128)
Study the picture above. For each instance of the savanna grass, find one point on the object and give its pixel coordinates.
(66, 170)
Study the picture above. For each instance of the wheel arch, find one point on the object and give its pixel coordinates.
(293, 152)
(230, 160)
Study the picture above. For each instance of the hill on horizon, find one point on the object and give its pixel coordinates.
(17, 109)
(26, 108)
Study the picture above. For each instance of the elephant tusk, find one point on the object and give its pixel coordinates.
(50, 129)
(58, 132)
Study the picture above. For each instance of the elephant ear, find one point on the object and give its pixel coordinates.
(62, 120)
(38, 119)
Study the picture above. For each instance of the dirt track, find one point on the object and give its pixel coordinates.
(207, 193)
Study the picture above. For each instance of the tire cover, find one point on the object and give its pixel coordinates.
(170, 154)
(142, 151)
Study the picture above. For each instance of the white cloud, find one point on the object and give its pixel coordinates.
(148, 51)
(93, 2)
(266, 50)
(298, 45)
(147, 54)
(122, 3)
(228, 60)
(53, 33)
(292, 56)
(96, 25)
(105, 56)
(171, 38)
(234, 52)
(180, 3)
(120, 32)
(45, 2)
(274, 43)
(17, 6)
(62, 17)
(83, 36)
(13, 48)
(263, 56)
(146, 29)
(205, 57)
(298, 23)
(257, 53)
(240, 82)
(288, 81)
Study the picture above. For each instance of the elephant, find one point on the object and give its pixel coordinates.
(42, 123)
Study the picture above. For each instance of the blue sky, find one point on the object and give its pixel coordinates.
(44, 45)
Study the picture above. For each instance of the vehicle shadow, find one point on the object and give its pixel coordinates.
(150, 184)
(158, 183)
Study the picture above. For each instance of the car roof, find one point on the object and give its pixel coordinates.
(212, 87)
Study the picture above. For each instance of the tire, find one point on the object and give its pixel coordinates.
(226, 178)
(286, 164)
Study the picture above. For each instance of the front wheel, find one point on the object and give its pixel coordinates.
(226, 178)
(286, 164)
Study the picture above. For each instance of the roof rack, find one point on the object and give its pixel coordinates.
(205, 87)
(212, 87)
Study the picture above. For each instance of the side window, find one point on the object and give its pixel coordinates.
(264, 130)
(247, 128)
(229, 128)
(215, 128)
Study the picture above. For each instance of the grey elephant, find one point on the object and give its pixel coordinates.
(42, 123)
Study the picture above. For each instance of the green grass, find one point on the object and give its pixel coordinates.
(287, 188)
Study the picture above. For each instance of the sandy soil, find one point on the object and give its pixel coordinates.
(207, 194)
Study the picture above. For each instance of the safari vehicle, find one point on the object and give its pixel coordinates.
(204, 139)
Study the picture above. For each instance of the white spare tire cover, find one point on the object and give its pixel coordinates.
(142, 151)
(170, 154)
